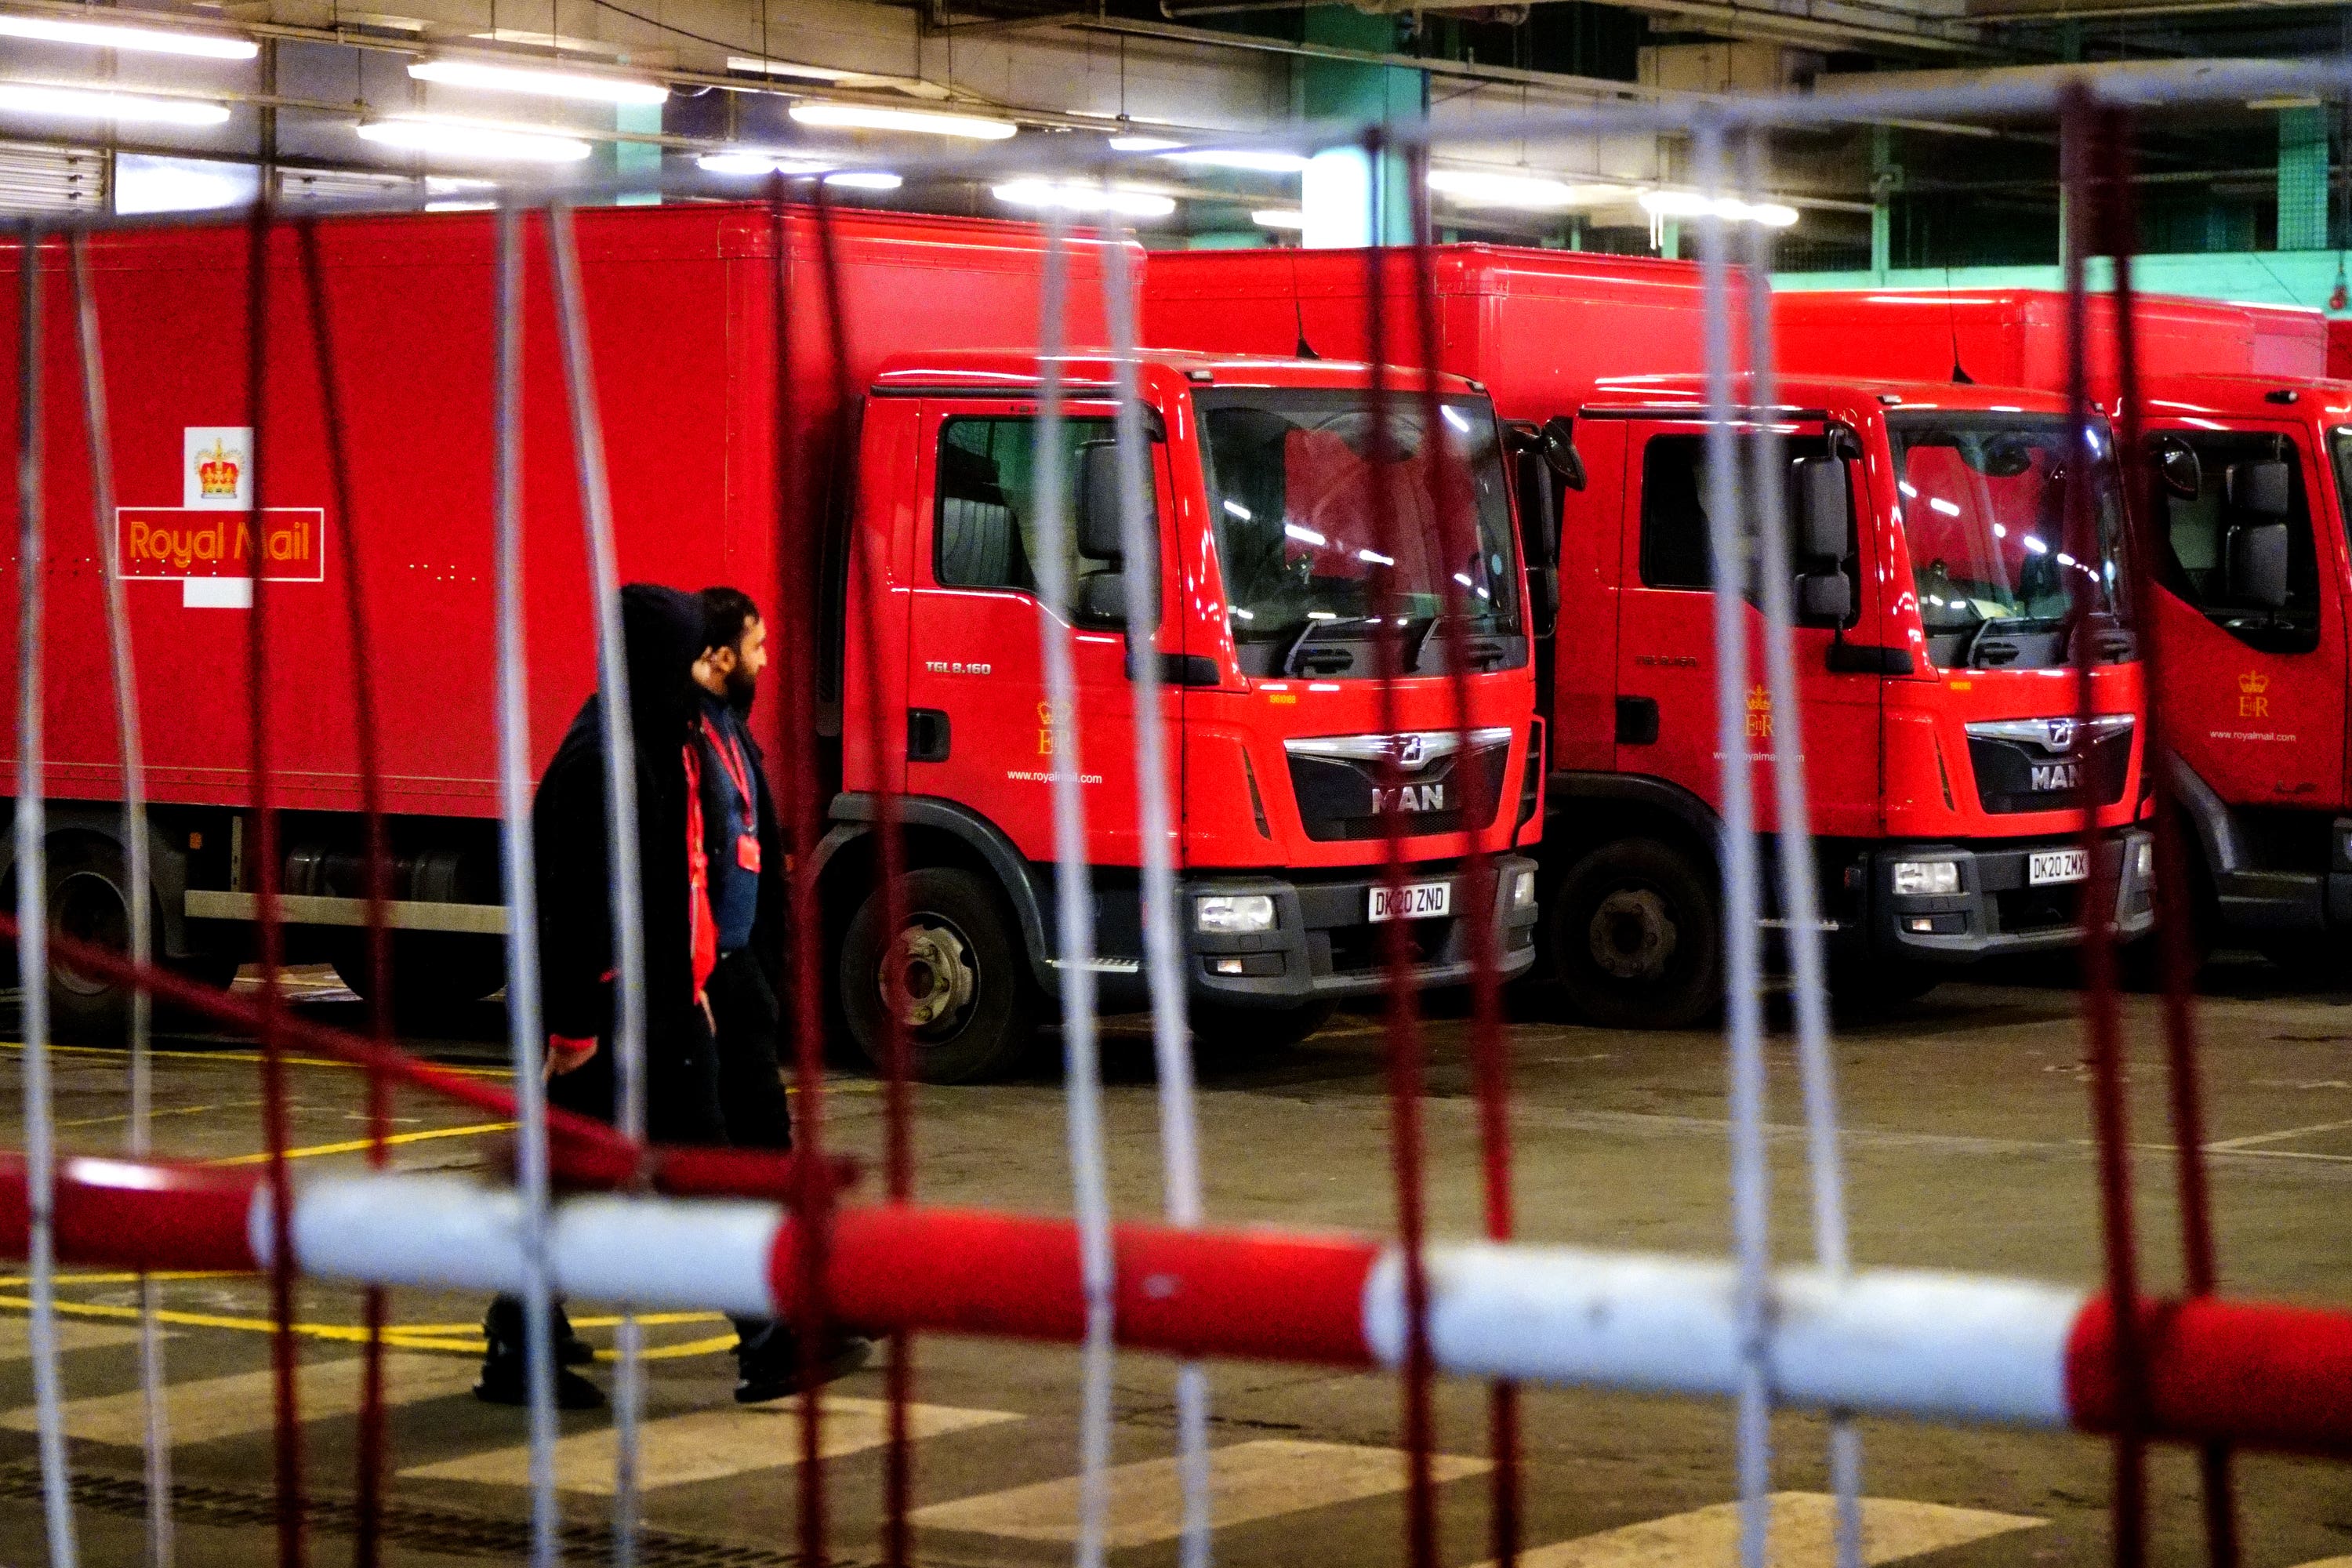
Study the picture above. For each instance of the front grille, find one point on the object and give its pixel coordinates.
(2041, 764)
(2023, 910)
(1339, 782)
(1362, 948)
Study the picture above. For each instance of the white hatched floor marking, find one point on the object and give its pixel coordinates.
(244, 1402)
(1709, 1537)
(16, 1336)
(710, 1445)
(1246, 1481)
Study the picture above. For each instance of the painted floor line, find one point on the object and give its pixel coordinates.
(2231, 1145)
(466, 1338)
(242, 1404)
(116, 1053)
(360, 1145)
(710, 1445)
(1892, 1529)
(16, 1337)
(1247, 1481)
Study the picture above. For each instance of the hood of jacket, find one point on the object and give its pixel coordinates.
(661, 630)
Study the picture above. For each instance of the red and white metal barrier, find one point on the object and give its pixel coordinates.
(1924, 1344)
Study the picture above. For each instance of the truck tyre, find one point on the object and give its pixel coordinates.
(957, 972)
(89, 904)
(1255, 1031)
(1637, 937)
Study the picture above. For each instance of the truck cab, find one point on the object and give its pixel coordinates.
(1273, 588)
(1946, 767)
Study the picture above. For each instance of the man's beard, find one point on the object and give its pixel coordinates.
(743, 686)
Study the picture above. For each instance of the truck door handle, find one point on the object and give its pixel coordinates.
(928, 735)
(1637, 720)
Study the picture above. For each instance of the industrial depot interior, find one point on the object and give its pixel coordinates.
(972, 784)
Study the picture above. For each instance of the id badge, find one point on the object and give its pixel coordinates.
(747, 851)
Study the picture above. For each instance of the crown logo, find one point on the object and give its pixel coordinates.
(216, 472)
(2253, 683)
(1759, 700)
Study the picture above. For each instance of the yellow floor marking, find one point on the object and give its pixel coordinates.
(174, 1111)
(2232, 1146)
(16, 1337)
(116, 1052)
(244, 1402)
(710, 1445)
(2329, 1563)
(459, 1337)
(64, 1281)
(1247, 1481)
(1709, 1537)
(360, 1146)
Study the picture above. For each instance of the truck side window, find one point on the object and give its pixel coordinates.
(984, 533)
(1675, 551)
(2195, 558)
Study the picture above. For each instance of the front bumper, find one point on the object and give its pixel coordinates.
(1998, 908)
(1324, 946)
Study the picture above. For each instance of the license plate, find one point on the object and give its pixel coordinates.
(2057, 866)
(1413, 901)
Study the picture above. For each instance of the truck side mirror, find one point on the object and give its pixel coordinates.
(1822, 521)
(2258, 562)
(1560, 453)
(1825, 598)
(2264, 488)
(2178, 468)
(1097, 494)
(1102, 599)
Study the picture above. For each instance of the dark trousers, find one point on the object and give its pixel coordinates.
(707, 1090)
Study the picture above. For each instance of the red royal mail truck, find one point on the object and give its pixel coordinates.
(2251, 448)
(1945, 761)
(1281, 829)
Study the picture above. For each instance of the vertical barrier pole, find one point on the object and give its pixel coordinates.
(1402, 1023)
(2199, 1273)
(1743, 967)
(1792, 822)
(1163, 944)
(622, 880)
(155, 1436)
(367, 1500)
(2078, 126)
(1489, 1050)
(523, 1015)
(284, 1351)
(33, 916)
(1074, 914)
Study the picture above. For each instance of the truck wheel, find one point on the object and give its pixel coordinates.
(1637, 937)
(956, 972)
(88, 904)
(1255, 1031)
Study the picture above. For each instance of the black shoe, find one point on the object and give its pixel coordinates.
(769, 1363)
(503, 1383)
(570, 1350)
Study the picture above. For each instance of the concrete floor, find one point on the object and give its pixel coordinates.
(1967, 1145)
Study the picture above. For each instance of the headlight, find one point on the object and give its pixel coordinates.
(1233, 914)
(1523, 891)
(2144, 861)
(1927, 876)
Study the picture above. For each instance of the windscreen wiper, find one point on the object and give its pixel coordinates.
(1306, 633)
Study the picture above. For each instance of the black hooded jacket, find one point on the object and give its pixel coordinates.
(662, 633)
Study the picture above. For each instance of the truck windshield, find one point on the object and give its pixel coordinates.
(1290, 477)
(1982, 505)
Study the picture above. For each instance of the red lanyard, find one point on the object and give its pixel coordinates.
(739, 773)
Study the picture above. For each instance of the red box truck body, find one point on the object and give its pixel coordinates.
(1944, 763)
(2255, 678)
(1279, 818)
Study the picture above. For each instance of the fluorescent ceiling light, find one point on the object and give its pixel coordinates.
(581, 85)
(794, 68)
(1279, 217)
(928, 123)
(1231, 158)
(1484, 188)
(1690, 203)
(473, 139)
(105, 103)
(542, 40)
(1144, 144)
(866, 180)
(757, 160)
(145, 183)
(1080, 197)
(114, 36)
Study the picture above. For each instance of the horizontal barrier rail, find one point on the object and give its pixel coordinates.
(1922, 1344)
